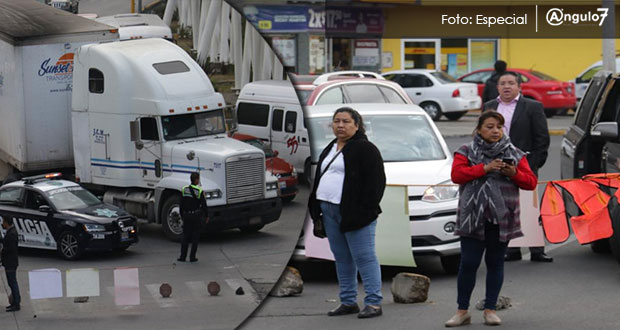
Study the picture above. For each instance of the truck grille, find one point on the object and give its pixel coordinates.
(245, 179)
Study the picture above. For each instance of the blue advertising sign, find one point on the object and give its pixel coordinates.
(278, 19)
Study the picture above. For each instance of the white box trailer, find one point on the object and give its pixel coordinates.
(37, 44)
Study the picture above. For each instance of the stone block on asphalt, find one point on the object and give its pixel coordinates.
(289, 284)
(410, 288)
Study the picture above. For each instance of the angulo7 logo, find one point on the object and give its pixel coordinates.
(557, 16)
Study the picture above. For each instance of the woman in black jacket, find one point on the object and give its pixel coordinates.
(348, 187)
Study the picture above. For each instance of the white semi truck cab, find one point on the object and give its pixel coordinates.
(144, 116)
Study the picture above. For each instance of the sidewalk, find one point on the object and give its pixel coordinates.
(465, 126)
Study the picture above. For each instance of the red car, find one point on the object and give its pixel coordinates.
(285, 172)
(556, 96)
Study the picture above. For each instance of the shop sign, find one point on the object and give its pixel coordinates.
(279, 19)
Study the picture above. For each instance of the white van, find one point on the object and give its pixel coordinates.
(138, 26)
(582, 80)
(270, 110)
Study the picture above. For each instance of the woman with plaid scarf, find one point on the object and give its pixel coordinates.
(490, 171)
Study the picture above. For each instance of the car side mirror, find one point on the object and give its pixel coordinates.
(605, 131)
(45, 209)
(578, 80)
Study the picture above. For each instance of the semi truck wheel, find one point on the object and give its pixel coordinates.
(171, 222)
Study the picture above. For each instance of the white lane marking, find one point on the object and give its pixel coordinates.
(161, 301)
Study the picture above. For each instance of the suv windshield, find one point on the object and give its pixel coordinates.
(400, 138)
(72, 198)
(443, 77)
(193, 125)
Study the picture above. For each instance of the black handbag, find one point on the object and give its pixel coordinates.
(317, 218)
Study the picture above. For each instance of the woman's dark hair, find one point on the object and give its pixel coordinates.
(489, 114)
(357, 118)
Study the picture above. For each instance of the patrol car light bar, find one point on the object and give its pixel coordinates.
(42, 177)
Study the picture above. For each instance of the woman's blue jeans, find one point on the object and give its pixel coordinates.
(471, 256)
(353, 250)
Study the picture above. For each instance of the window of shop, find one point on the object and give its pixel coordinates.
(483, 53)
(454, 59)
(317, 54)
(420, 53)
(286, 49)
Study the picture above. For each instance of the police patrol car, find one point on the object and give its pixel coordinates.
(61, 215)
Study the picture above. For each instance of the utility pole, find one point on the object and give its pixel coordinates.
(609, 37)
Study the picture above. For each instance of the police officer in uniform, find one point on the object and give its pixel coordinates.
(194, 212)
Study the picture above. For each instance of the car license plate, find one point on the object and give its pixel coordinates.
(124, 235)
(254, 220)
(129, 228)
(472, 103)
(282, 184)
(98, 236)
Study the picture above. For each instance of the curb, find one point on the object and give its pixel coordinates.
(557, 131)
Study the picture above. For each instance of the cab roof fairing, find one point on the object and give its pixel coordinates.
(129, 74)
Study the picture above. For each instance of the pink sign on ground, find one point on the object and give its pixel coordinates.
(315, 247)
(126, 286)
(530, 211)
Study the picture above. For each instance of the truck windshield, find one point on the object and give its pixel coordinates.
(72, 198)
(193, 125)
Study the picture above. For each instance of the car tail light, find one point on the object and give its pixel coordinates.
(555, 90)
(456, 93)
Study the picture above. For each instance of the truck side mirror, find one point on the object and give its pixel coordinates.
(605, 131)
(134, 130)
(134, 134)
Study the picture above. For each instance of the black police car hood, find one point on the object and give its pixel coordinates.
(100, 213)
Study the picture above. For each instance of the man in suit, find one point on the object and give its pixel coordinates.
(9, 261)
(526, 125)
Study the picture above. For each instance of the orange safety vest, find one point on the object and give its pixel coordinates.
(595, 222)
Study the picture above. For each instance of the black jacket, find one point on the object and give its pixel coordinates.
(528, 130)
(363, 186)
(9, 249)
(490, 88)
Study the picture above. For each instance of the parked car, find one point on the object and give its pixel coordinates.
(66, 5)
(582, 80)
(437, 92)
(356, 90)
(415, 154)
(61, 215)
(592, 144)
(285, 172)
(556, 96)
